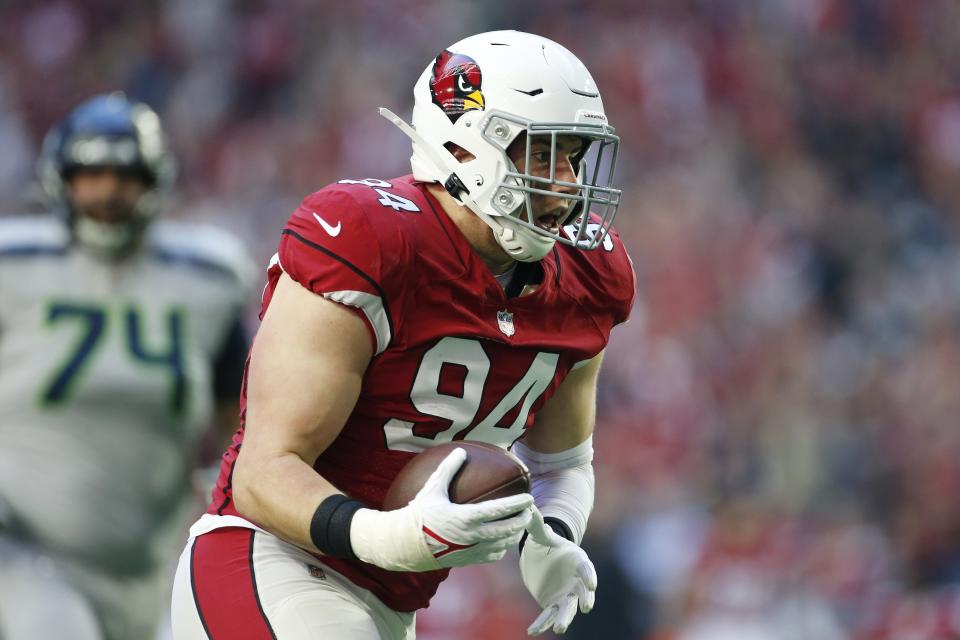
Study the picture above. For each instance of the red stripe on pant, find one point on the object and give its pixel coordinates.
(224, 586)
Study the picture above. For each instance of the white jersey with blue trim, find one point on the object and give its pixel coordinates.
(106, 382)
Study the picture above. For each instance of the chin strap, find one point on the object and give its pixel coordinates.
(520, 243)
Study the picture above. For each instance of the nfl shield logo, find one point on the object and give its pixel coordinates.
(505, 322)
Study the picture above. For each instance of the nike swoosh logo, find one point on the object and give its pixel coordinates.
(329, 228)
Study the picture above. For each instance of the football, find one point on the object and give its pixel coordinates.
(488, 472)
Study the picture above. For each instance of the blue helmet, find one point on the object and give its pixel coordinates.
(108, 131)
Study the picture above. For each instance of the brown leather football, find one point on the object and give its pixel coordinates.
(488, 472)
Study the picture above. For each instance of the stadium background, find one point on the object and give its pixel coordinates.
(777, 447)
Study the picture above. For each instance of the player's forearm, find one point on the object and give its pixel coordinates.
(562, 485)
(568, 418)
(280, 493)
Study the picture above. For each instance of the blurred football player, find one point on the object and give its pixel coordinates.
(120, 343)
(471, 300)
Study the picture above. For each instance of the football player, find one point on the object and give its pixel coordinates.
(120, 341)
(471, 300)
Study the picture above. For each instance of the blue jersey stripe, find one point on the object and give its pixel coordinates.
(161, 255)
(32, 251)
(192, 261)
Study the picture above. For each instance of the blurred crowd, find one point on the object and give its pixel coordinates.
(777, 444)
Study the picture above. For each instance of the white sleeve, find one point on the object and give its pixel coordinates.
(562, 484)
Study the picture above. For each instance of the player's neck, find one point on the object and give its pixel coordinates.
(475, 230)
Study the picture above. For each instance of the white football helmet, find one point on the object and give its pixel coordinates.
(481, 94)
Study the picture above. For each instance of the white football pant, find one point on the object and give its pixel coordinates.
(240, 583)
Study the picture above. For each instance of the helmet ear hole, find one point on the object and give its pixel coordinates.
(458, 152)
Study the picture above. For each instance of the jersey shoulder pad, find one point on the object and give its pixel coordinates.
(345, 244)
(343, 235)
(604, 279)
(206, 248)
(33, 235)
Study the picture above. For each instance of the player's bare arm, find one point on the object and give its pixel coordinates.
(568, 418)
(306, 369)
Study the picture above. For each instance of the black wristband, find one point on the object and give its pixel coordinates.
(330, 526)
(559, 527)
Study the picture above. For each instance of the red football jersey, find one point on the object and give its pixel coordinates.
(454, 357)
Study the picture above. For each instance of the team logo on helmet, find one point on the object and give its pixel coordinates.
(455, 84)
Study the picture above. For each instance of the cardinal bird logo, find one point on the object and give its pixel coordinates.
(455, 85)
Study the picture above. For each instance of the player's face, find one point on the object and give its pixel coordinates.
(549, 212)
(105, 195)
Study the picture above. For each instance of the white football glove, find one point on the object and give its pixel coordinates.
(434, 533)
(558, 574)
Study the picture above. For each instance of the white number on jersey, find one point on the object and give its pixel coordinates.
(368, 182)
(462, 411)
(387, 199)
(592, 229)
(398, 203)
